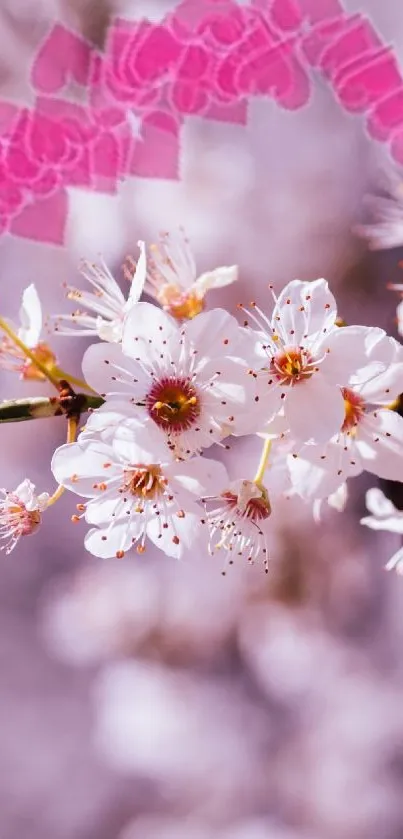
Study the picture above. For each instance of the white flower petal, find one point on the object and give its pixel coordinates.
(181, 536)
(338, 499)
(107, 370)
(199, 476)
(219, 278)
(314, 410)
(396, 562)
(110, 331)
(399, 315)
(42, 501)
(108, 541)
(214, 333)
(393, 524)
(30, 317)
(25, 491)
(380, 443)
(139, 278)
(79, 467)
(102, 509)
(385, 387)
(136, 442)
(145, 328)
(318, 313)
(318, 472)
(379, 505)
(231, 384)
(104, 421)
(347, 355)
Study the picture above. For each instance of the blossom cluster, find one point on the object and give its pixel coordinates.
(177, 383)
(207, 59)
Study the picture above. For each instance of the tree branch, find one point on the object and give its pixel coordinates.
(38, 407)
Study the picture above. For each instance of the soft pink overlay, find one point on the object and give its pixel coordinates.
(101, 117)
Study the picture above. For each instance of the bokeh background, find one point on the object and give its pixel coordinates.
(146, 699)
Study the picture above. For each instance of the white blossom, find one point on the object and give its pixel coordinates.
(386, 229)
(308, 357)
(105, 307)
(371, 435)
(136, 490)
(29, 331)
(385, 516)
(172, 278)
(243, 515)
(192, 381)
(20, 513)
(238, 522)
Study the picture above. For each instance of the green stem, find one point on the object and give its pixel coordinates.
(38, 407)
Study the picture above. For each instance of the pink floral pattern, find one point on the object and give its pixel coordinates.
(208, 59)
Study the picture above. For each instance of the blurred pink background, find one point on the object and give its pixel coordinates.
(146, 699)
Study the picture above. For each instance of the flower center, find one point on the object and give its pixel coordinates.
(354, 407)
(18, 519)
(292, 365)
(173, 404)
(182, 305)
(255, 509)
(144, 482)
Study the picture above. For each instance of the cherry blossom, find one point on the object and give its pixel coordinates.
(307, 359)
(106, 301)
(386, 211)
(385, 516)
(238, 521)
(243, 516)
(191, 381)
(172, 277)
(20, 513)
(136, 490)
(29, 331)
(371, 435)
